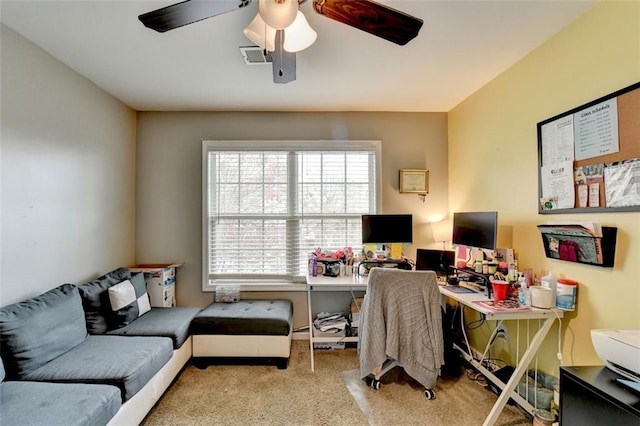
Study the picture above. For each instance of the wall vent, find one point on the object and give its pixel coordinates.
(255, 55)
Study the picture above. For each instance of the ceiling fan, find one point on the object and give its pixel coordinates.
(281, 29)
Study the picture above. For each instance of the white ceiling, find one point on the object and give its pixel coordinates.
(461, 47)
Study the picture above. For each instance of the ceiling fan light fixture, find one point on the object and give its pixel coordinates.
(299, 35)
(261, 34)
(278, 14)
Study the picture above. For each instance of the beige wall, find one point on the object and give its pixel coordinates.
(493, 164)
(68, 161)
(168, 214)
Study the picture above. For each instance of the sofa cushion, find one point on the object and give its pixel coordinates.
(128, 300)
(165, 322)
(35, 331)
(126, 362)
(95, 299)
(56, 404)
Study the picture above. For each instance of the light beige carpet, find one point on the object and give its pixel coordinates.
(401, 401)
(332, 395)
(263, 395)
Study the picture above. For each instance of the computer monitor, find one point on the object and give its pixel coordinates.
(434, 260)
(475, 229)
(387, 228)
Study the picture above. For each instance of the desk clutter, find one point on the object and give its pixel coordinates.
(337, 325)
(546, 293)
(508, 288)
(334, 325)
(344, 262)
(331, 263)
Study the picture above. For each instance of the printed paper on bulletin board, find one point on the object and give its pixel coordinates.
(620, 144)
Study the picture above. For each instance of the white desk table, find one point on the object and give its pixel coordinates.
(343, 283)
(508, 389)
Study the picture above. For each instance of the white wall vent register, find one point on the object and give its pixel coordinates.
(254, 55)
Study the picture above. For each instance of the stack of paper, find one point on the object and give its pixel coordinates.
(330, 322)
(573, 241)
(593, 227)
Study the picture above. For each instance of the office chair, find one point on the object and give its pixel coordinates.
(401, 325)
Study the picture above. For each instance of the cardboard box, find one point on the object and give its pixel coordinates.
(356, 304)
(161, 281)
(355, 324)
(165, 298)
(354, 317)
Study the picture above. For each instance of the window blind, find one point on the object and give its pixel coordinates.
(269, 205)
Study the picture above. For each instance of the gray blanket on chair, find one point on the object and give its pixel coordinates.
(401, 319)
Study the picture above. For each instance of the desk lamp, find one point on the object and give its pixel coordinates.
(442, 231)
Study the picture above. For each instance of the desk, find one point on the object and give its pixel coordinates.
(347, 283)
(508, 389)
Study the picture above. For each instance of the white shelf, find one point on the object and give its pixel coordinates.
(335, 339)
(321, 283)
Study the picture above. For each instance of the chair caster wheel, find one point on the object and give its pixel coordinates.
(372, 382)
(429, 394)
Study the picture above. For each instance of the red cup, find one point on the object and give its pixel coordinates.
(500, 290)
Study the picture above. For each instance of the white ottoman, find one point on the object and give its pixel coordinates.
(244, 329)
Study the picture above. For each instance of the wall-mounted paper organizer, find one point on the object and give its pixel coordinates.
(581, 242)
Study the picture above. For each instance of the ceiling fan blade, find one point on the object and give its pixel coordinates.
(284, 63)
(188, 12)
(374, 18)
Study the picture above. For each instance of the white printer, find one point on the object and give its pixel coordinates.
(619, 350)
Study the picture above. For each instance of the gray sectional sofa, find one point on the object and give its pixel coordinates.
(79, 355)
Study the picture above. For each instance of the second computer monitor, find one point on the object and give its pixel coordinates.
(434, 260)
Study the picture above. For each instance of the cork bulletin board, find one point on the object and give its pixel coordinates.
(589, 157)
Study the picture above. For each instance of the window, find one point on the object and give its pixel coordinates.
(267, 204)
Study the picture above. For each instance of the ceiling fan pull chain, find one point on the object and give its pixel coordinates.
(281, 48)
(284, 63)
(265, 40)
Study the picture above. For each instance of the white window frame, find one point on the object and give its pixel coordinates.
(274, 145)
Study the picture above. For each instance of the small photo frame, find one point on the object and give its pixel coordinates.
(414, 181)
